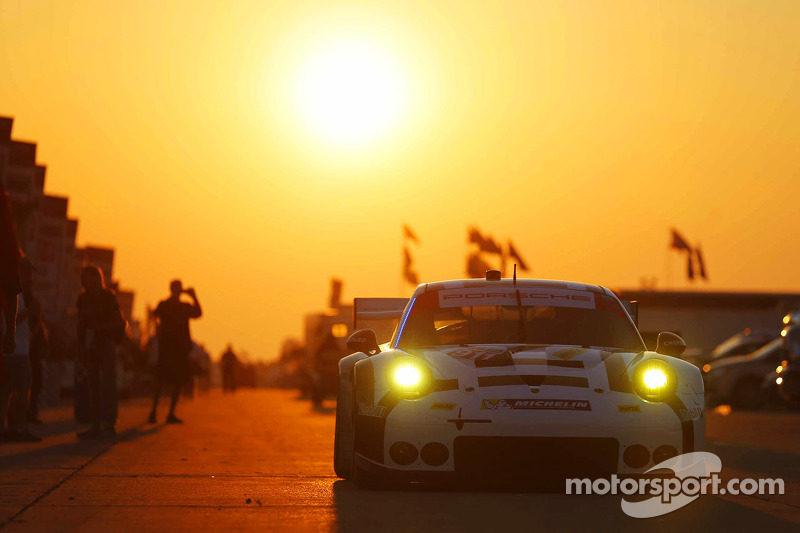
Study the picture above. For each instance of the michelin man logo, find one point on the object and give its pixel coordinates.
(497, 404)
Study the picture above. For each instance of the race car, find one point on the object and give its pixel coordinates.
(513, 380)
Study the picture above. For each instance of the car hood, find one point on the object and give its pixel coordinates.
(500, 364)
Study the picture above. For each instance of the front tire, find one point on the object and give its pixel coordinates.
(343, 435)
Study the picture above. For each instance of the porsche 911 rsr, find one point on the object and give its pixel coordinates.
(522, 380)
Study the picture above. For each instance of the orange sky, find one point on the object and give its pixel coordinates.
(583, 130)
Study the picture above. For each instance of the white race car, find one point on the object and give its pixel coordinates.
(512, 379)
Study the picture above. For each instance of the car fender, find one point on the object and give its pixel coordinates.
(345, 400)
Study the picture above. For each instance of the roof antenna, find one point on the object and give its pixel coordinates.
(515, 274)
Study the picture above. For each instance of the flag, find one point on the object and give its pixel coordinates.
(474, 237)
(678, 242)
(409, 234)
(485, 244)
(512, 252)
(409, 274)
(689, 268)
(490, 246)
(700, 263)
(476, 267)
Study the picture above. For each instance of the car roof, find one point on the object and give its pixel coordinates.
(508, 282)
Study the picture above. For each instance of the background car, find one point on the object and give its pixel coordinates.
(786, 378)
(738, 380)
(744, 342)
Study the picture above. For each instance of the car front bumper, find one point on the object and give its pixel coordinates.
(482, 442)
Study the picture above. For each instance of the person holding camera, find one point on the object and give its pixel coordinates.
(174, 345)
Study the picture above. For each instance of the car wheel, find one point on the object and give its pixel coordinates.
(343, 435)
(748, 395)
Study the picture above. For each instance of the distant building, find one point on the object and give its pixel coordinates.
(49, 254)
(705, 319)
(47, 236)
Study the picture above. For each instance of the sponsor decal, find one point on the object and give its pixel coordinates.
(371, 410)
(443, 406)
(568, 353)
(558, 405)
(465, 352)
(629, 409)
(692, 413)
(528, 297)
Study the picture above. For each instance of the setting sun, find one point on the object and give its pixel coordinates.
(350, 93)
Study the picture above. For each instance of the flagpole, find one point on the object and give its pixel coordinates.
(402, 259)
(668, 269)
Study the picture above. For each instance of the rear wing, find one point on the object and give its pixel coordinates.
(377, 309)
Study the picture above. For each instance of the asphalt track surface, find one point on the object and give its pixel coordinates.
(262, 460)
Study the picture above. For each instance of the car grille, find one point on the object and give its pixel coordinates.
(541, 458)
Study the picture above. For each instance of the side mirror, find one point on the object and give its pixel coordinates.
(364, 340)
(670, 344)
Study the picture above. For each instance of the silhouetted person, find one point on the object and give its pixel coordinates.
(38, 337)
(100, 327)
(10, 285)
(174, 345)
(326, 368)
(230, 365)
(204, 370)
(15, 384)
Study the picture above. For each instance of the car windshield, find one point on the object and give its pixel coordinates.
(740, 344)
(727, 346)
(538, 316)
(768, 349)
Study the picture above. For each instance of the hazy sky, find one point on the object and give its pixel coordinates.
(212, 141)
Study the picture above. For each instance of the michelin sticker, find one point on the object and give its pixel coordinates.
(561, 405)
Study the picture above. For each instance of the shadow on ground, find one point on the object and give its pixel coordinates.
(45, 455)
(421, 508)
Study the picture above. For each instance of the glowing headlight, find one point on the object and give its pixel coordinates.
(654, 380)
(409, 377)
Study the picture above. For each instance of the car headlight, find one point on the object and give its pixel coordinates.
(654, 380)
(409, 377)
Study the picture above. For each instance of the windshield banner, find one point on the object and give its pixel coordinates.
(528, 297)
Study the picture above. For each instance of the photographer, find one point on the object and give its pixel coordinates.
(174, 345)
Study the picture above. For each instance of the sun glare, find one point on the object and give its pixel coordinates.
(350, 93)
